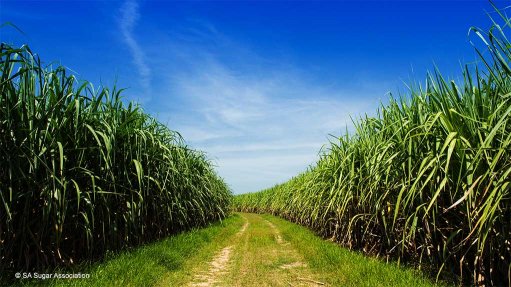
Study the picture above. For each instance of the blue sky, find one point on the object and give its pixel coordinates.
(258, 85)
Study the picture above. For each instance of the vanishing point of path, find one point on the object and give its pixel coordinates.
(256, 255)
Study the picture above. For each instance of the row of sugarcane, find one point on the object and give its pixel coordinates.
(426, 181)
(82, 172)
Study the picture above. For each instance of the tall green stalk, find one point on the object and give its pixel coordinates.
(82, 172)
(426, 181)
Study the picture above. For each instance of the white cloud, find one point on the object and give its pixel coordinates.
(256, 137)
(261, 121)
(128, 19)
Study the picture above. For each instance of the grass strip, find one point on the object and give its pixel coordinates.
(164, 263)
(337, 266)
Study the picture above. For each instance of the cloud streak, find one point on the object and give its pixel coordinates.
(260, 129)
(128, 18)
(262, 121)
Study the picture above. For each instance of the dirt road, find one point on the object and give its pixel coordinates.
(257, 255)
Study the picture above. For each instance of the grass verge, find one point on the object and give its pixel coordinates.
(337, 266)
(157, 263)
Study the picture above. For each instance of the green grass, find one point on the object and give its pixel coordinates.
(169, 260)
(341, 267)
(425, 181)
(256, 260)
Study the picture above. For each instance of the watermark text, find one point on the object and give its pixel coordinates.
(44, 276)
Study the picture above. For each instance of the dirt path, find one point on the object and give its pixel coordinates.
(219, 264)
(257, 255)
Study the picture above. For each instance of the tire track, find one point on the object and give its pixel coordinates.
(219, 265)
(278, 236)
(293, 267)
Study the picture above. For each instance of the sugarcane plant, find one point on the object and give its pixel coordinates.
(82, 172)
(425, 181)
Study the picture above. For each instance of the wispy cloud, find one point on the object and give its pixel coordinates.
(262, 121)
(260, 129)
(128, 18)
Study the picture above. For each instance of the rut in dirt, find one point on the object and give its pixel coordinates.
(257, 255)
(218, 265)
